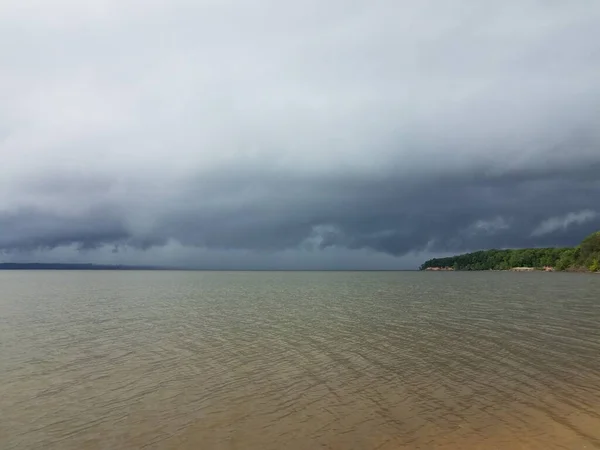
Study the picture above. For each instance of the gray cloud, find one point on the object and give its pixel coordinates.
(296, 135)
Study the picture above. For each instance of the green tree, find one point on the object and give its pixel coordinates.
(585, 255)
(516, 259)
(594, 266)
(590, 246)
(566, 260)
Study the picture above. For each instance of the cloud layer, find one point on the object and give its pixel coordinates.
(296, 135)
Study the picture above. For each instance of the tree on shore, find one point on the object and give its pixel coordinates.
(585, 256)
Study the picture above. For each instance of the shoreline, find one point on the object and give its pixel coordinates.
(514, 269)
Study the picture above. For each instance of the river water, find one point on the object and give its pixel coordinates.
(299, 360)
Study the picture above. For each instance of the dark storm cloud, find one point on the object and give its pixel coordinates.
(392, 215)
(396, 215)
(283, 131)
(29, 230)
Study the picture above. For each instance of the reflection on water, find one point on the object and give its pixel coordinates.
(185, 360)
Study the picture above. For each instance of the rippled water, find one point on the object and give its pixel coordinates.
(200, 360)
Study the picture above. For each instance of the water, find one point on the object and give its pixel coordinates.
(193, 360)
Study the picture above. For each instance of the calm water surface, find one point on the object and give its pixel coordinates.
(199, 360)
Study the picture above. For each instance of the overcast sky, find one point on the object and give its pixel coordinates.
(279, 134)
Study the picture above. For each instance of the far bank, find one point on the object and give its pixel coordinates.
(583, 258)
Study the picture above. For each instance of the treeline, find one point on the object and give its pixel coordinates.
(585, 256)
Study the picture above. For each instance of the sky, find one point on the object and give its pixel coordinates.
(271, 134)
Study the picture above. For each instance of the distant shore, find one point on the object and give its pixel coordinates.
(66, 266)
(512, 269)
(583, 258)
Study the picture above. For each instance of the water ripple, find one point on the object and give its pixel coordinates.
(152, 360)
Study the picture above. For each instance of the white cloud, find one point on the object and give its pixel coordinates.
(554, 224)
(489, 226)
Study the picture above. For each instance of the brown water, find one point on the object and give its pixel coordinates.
(192, 360)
